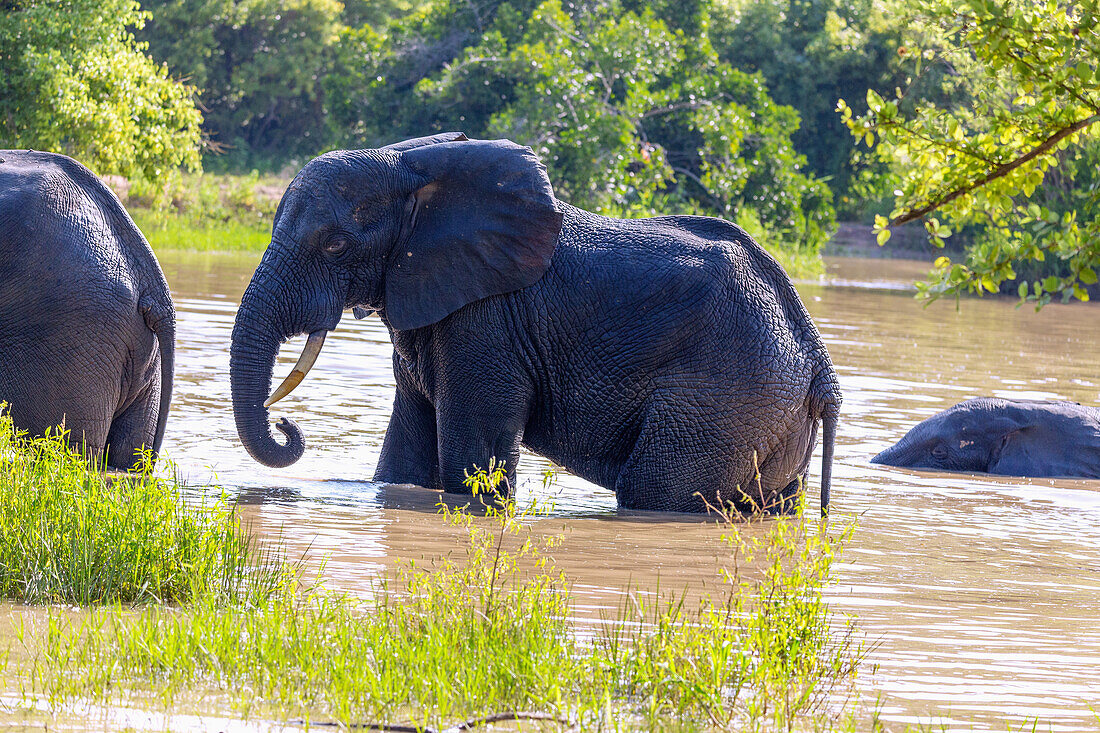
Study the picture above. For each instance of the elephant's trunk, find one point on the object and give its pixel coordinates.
(251, 359)
(901, 454)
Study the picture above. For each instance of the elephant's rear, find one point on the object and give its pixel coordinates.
(78, 288)
(738, 375)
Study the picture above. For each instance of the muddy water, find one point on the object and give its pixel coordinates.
(982, 594)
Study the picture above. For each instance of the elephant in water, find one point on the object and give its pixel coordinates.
(663, 358)
(1006, 437)
(87, 327)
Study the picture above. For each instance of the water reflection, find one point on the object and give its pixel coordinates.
(981, 591)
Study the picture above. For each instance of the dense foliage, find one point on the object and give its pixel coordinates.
(812, 53)
(632, 114)
(976, 117)
(1011, 157)
(259, 64)
(75, 81)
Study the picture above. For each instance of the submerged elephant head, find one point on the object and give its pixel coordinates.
(414, 231)
(983, 435)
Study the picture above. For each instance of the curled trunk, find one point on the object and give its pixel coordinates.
(251, 360)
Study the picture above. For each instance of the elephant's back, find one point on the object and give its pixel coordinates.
(59, 229)
(61, 270)
(681, 287)
(684, 319)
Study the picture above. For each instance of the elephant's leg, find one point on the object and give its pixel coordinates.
(471, 432)
(133, 429)
(666, 463)
(45, 390)
(785, 501)
(682, 464)
(409, 450)
(134, 424)
(785, 470)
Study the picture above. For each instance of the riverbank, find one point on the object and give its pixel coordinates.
(234, 213)
(488, 631)
(204, 212)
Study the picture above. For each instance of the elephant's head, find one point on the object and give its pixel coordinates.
(971, 436)
(414, 231)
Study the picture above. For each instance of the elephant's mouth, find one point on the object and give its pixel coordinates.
(305, 362)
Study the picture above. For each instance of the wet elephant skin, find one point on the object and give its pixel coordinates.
(1005, 437)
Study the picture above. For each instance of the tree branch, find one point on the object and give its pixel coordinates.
(997, 172)
(457, 728)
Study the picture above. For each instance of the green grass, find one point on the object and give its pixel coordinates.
(491, 633)
(172, 232)
(206, 212)
(70, 534)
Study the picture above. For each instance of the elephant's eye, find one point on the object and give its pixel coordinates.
(335, 245)
(939, 451)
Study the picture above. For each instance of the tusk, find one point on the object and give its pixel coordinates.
(305, 362)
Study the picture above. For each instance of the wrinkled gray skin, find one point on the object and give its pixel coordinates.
(653, 357)
(1006, 437)
(86, 322)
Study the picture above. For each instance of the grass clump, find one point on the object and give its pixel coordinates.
(205, 212)
(490, 633)
(71, 534)
(172, 233)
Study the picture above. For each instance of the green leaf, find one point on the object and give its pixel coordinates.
(874, 101)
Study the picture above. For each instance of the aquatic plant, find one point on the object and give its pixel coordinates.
(491, 634)
(71, 533)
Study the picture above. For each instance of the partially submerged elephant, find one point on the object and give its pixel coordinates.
(663, 358)
(1007, 437)
(87, 326)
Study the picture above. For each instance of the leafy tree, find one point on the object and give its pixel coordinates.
(1031, 73)
(812, 53)
(75, 81)
(376, 14)
(630, 114)
(259, 65)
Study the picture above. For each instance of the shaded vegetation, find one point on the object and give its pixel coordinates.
(633, 115)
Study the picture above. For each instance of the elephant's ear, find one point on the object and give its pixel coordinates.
(1011, 436)
(482, 221)
(417, 142)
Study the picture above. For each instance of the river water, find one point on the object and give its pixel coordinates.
(981, 595)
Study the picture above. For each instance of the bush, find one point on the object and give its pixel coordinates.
(493, 633)
(69, 533)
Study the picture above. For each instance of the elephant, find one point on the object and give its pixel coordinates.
(666, 359)
(87, 325)
(1004, 437)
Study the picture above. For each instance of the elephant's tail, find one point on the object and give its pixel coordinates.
(828, 439)
(161, 320)
(826, 400)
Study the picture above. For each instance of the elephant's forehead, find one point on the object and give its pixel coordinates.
(365, 179)
(340, 168)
